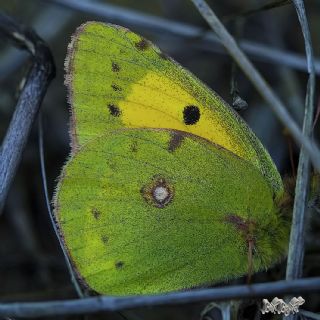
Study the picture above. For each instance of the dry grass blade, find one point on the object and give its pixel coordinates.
(295, 257)
(265, 7)
(296, 245)
(310, 315)
(54, 226)
(258, 81)
(112, 303)
(200, 37)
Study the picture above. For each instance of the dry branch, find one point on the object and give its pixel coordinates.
(34, 88)
(296, 245)
(111, 303)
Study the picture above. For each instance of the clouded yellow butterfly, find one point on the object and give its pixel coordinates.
(166, 187)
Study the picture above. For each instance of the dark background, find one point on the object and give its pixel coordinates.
(31, 263)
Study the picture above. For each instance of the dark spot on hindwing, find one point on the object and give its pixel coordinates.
(191, 115)
(142, 45)
(159, 192)
(96, 213)
(134, 146)
(104, 239)
(236, 221)
(115, 67)
(246, 227)
(114, 110)
(175, 141)
(116, 87)
(119, 265)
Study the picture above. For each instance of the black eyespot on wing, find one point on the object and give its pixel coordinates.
(191, 115)
(116, 87)
(115, 67)
(114, 110)
(119, 265)
(142, 45)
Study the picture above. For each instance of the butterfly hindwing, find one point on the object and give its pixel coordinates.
(140, 213)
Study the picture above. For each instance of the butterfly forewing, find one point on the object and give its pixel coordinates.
(117, 79)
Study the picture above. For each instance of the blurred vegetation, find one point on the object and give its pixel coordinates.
(31, 264)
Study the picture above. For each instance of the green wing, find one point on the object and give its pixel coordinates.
(117, 79)
(149, 211)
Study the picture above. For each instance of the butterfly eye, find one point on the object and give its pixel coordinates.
(158, 193)
(191, 115)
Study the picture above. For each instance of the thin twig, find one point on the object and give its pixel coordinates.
(262, 8)
(310, 315)
(258, 81)
(34, 88)
(197, 36)
(54, 225)
(112, 303)
(295, 256)
(296, 245)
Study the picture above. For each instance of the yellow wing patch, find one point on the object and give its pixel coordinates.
(144, 107)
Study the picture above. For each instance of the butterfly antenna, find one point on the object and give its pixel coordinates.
(122, 315)
(45, 189)
(265, 7)
(238, 103)
(290, 148)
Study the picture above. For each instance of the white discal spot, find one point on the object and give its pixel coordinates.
(160, 193)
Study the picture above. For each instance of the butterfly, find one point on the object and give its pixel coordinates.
(166, 187)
